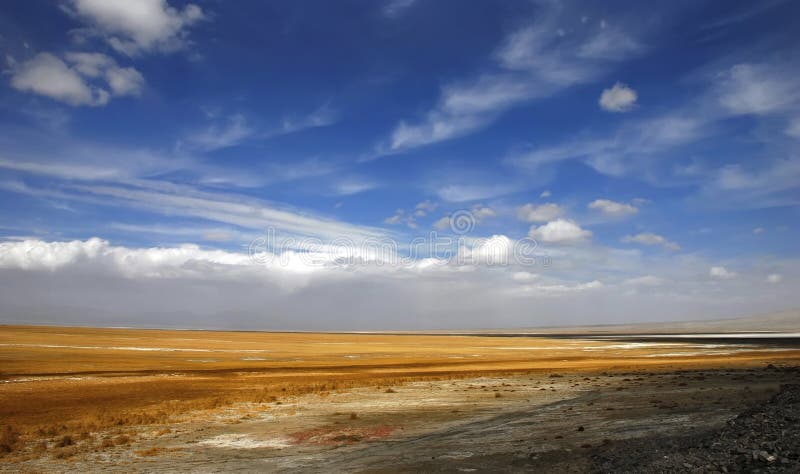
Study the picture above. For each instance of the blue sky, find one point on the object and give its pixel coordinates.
(651, 154)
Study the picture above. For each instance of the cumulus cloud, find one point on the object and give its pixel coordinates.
(496, 250)
(96, 282)
(136, 27)
(559, 231)
(539, 213)
(774, 278)
(648, 238)
(424, 208)
(481, 212)
(619, 98)
(465, 219)
(81, 79)
(613, 208)
(721, 273)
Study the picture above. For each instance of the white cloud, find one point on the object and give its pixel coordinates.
(481, 212)
(774, 278)
(559, 231)
(89, 78)
(541, 213)
(237, 129)
(613, 208)
(351, 186)
(619, 98)
(472, 192)
(48, 75)
(758, 230)
(425, 207)
(647, 238)
(138, 26)
(323, 116)
(218, 136)
(756, 184)
(395, 8)
(545, 194)
(496, 250)
(98, 283)
(793, 129)
(757, 89)
(442, 223)
(647, 280)
(524, 276)
(400, 217)
(532, 63)
(465, 220)
(721, 273)
(621, 153)
(228, 208)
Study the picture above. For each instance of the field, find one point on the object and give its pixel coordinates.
(76, 398)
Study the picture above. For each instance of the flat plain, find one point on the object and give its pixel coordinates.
(95, 399)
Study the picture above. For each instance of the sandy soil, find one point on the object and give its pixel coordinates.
(100, 399)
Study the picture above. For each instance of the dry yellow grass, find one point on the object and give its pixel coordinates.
(59, 381)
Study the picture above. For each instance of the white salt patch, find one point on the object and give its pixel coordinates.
(242, 441)
(532, 348)
(458, 455)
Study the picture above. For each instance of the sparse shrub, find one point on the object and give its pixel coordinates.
(9, 440)
(390, 390)
(149, 452)
(354, 416)
(67, 452)
(65, 441)
(498, 395)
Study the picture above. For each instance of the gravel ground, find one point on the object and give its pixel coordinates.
(764, 438)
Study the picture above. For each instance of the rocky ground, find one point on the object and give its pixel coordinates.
(763, 438)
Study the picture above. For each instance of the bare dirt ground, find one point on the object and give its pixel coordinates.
(78, 399)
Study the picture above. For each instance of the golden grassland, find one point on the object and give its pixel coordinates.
(69, 383)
